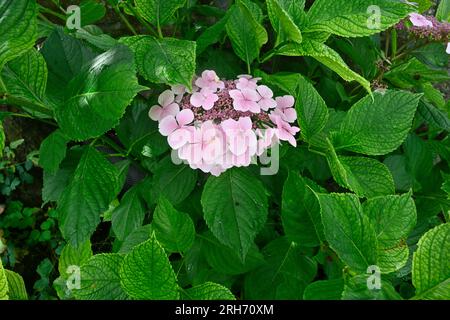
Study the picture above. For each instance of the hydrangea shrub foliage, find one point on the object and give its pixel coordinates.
(241, 149)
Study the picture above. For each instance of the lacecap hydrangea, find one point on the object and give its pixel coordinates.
(224, 124)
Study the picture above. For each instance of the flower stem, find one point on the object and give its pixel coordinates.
(125, 20)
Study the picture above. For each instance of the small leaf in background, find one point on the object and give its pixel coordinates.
(91, 11)
(53, 151)
(300, 212)
(146, 273)
(285, 274)
(130, 213)
(173, 229)
(235, 208)
(431, 265)
(170, 61)
(99, 278)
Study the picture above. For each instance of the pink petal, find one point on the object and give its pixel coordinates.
(267, 103)
(236, 94)
(185, 117)
(245, 123)
(229, 124)
(155, 113)
(168, 125)
(285, 102)
(166, 98)
(265, 91)
(290, 114)
(178, 138)
(197, 99)
(171, 110)
(250, 94)
(419, 20)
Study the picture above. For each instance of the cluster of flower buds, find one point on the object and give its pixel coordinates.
(426, 27)
(224, 124)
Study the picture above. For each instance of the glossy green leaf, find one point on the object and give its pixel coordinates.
(173, 229)
(53, 151)
(73, 256)
(158, 12)
(324, 290)
(235, 208)
(3, 283)
(170, 61)
(92, 188)
(209, 291)
(16, 286)
(283, 23)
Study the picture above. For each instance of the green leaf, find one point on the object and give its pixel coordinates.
(175, 182)
(25, 77)
(247, 35)
(393, 218)
(19, 28)
(226, 260)
(65, 57)
(300, 213)
(16, 286)
(73, 256)
(170, 61)
(158, 12)
(285, 275)
(325, 55)
(91, 11)
(235, 208)
(348, 230)
(364, 176)
(53, 151)
(282, 23)
(378, 125)
(96, 98)
(357, 288)
(136, 237)
(324, 290)
(209, 291)
(2, 138)
(433, 115)
(443, 11)
(99, 278)
(356, 18)
(212, 34)
(129, 215)
(431, 265)
(3, 283)
(92, 188)
(173, 229)
(146, 273)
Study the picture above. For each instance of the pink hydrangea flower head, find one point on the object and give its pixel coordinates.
(267, 102)
(224, 124)
(166, 107)
(204, 98)
(419, 20)
(209, 80)
(245, 100)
